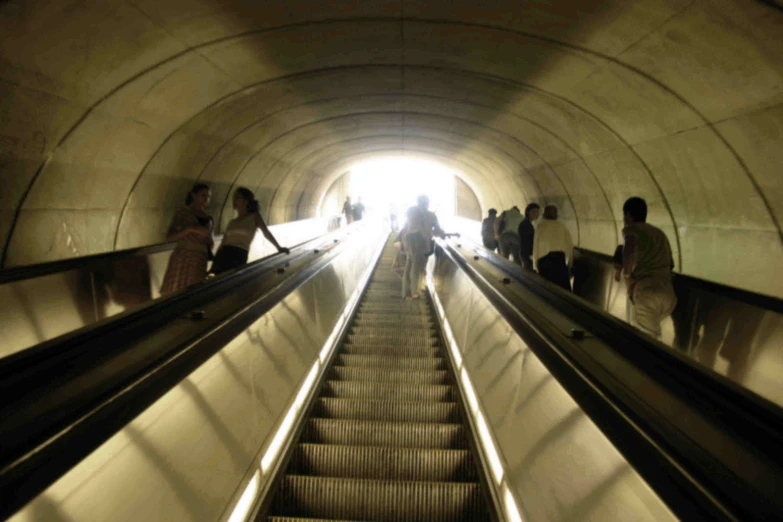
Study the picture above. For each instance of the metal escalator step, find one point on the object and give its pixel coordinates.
(386, 434)
(419, 307)
(299, 519)
(399, 339)
(365, 462)
(395, 330)
(410, 411)
(370, 319)
(379, 391)
(380, 500)
(391, 361)
(399, 351)
(344, 373)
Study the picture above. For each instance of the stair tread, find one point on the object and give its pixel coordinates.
(383, 463)
(412, 501)
(397, 391)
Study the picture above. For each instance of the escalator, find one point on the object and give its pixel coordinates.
(386, 439)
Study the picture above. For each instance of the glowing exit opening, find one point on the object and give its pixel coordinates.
(392, 185)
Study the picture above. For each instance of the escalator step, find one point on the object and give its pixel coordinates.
(372, 319)
(364, 462)
(398, 351)
(411, 411)
(400, 339)
(299, 519)
(394, 331)
(343, 373)
(387, 434)
(391, 361)
(418, 306)
(399, 392)
(361, 499)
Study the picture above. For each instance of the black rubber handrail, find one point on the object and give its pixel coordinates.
(58, 409)
(753, 425)
(55, 348)
(20, 273)
(763, 301)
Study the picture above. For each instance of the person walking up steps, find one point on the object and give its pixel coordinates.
(553, 249)
(507, 234)
(647, 268)
(422, 226)
(488, 230)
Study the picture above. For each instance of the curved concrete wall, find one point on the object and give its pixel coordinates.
(110, 109)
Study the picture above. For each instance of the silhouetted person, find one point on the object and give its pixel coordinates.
(553, 249)
(617, 265)
(647, 268)
(348, 211)
(488, 230)
(357, 211)
(191, 228)
(527, 234)
(418, 233)
(507, 233)
(240, 233)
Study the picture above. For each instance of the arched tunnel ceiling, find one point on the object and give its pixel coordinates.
(112, 108)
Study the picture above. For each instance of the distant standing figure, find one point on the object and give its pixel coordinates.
(488, 230)
(527, 233)
(507, 233)
(647, 267)
(553, 249)
(348, 211)
(240, 232)
(358, 210)
(417, 235)
(191, 228)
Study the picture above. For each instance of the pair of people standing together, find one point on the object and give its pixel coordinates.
(192, 229)
(549, 247)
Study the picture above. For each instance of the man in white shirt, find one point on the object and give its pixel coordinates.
(553, 249)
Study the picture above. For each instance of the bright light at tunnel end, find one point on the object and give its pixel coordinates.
(392, 184)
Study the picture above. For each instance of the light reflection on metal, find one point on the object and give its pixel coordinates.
(330, 342)
(489, 448)
(470, 393)
(510, 505)
(247, 499)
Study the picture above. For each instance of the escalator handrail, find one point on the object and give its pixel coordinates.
(12, 275)
(759, 422)
(628, 341)
(57, 346)
(765, 302)
(54, 446)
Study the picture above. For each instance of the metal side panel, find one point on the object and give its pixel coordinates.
(189, 455)
(555, 461)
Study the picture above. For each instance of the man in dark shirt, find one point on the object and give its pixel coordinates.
(358, 210)
(348, 211)
(488, 231)
(527, 234)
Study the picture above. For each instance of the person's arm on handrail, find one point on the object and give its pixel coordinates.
(268, 233)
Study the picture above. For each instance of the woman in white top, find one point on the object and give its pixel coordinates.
(553, 249)
(240, 233)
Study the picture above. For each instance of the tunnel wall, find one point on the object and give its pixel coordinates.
(111, 109)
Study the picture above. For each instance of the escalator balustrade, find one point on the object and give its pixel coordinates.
(386, 439)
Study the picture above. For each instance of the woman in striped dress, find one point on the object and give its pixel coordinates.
(191, 228)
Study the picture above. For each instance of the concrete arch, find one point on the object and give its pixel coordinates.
(679, 101)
